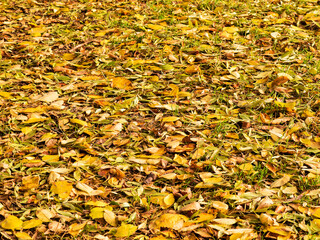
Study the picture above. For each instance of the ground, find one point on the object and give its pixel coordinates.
(159, 119)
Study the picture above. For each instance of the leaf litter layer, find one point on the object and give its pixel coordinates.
(159, 119)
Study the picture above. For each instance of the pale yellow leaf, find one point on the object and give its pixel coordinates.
(110, 217)
(221, 206)
(49, 97)
(195, 206)
(280, 182)
(45, 214)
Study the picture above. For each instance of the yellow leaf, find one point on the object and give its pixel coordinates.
(45, 214)
(246, 167)
(50, 158)
(213, 180)
(221, 206)
(280, 230)
(26, 130)
(35, 120)
(194, 206)
(139, 17)
(224, 221)
(170, 119)
(173, 221)
(165, 200)
(23, 236)
(11, 222)
(62, 188)
(125, 230)
(316, 212)
(280, 182)
(309, 143)
(110, 217)
(69, 56)
(6, 95)
(121, 83)
(49, 97)
(48, 136)
(168, 201)
(101, 33)
(192, 69)
(232, 135)
(199, 153)
(155, 27)
(80, 122)
(96, 212)
(181, 160)
(204, 217)
(30, 182)
(159, 238)
(98, 204)
(31, 223)
(36, 32)
(175, 90)
(76, 228)
(230, 30)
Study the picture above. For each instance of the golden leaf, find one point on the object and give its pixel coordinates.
(76, 228)
(31, 223)
(170, 119)
(23, 236)
(110, 217)
(50, 158)
(199, 153)
(96, 212)
(80, 122)
(155, 27)
(121, 83)
(204, 217)
(173, 221)
(62, 188)
(221, 206)
(125, 230)
(30, 182)
(181, 160)
(230, 30)
(280, 182)
(192, 69)
(6, 95)
(69, 56)
(280, 230)
(11, 222)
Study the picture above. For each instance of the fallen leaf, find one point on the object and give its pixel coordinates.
(62, 188)
(281, 181)
(121, 83)
(49, 97)
(12, 222)
(125, 230)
